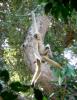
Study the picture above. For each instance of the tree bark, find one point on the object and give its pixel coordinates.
(30, 46)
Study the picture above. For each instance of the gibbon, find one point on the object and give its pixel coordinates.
(42, 53)
(47, 55)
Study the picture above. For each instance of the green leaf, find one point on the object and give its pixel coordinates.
(45, 98)
(48, 7)
(60, 80)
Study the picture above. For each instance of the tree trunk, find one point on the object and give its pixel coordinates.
(30, 48)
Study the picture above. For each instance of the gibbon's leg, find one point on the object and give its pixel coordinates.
(37, 72)
(52, 62)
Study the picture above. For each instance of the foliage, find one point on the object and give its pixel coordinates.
(60, 8)
(11, 90)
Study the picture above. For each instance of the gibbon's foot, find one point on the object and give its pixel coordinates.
(32, 85)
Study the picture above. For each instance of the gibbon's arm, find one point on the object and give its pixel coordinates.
(52, 62)
(34, 23)
(36, 32)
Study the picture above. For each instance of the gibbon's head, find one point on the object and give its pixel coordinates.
(37, 36)
(48, 50)
(47, 46)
